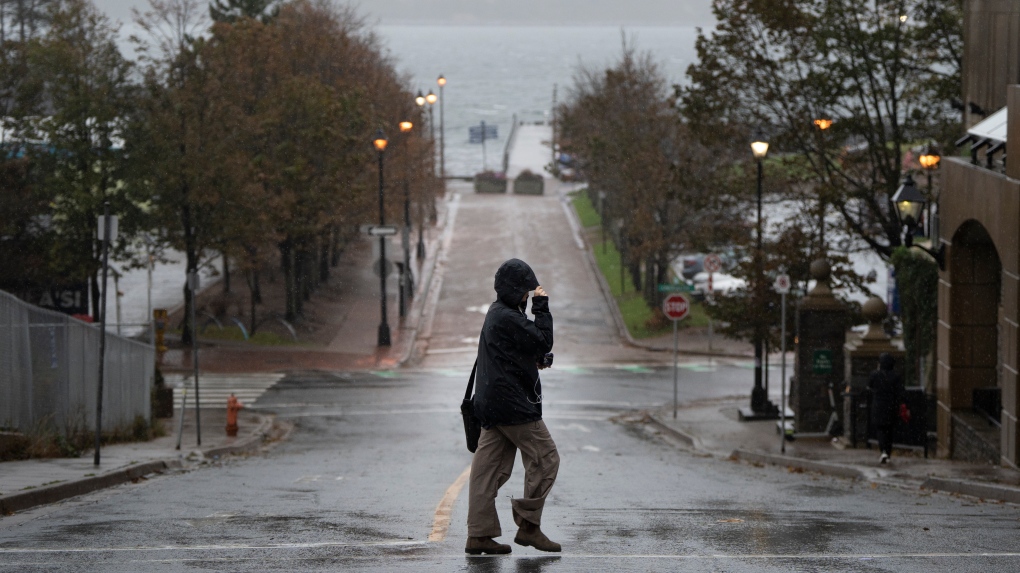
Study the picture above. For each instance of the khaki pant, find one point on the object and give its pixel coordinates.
(491, 467)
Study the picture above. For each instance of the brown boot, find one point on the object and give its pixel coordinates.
(531, 534)
(481, 545)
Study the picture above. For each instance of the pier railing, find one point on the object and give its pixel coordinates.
(509, 144)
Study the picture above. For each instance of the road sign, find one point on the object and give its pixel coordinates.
(782, 284)
(680, 287)
(676, 306)
(479, 133)
(712, 264)
(378, 230)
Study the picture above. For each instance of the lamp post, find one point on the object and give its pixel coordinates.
(929, 160)
(406, 286)
(431, 99)
(822, 124)
(442, 132)
(759, 398)
(420, 101)
(384, 328)
(910, 203)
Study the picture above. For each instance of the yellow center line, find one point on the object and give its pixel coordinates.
(441, 521)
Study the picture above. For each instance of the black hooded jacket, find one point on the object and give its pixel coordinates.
(507, 389)
(886, 392)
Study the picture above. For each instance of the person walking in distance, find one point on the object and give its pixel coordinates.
(887, 406)
(508, 403)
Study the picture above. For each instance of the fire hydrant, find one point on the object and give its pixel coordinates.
(233, 405)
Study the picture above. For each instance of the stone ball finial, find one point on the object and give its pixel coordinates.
(875, 311)
(821, 270)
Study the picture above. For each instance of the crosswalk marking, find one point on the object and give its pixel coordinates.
(214, 389)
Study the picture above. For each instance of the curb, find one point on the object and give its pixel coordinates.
(973, 489)
(425, 286)
(827, 468)
(250, 443)
(10, 504)
(799, 463)
(677, 433)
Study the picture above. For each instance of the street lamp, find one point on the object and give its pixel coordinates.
(442, 132)
(420, 101)
(929, 160)
(406, 287)
(822, 124)
(910, 203)
(384, 328)
(431, 99)
(759, 398)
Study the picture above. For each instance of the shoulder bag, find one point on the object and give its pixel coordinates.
(472, 427)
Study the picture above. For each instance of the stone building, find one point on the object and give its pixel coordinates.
(979, 227)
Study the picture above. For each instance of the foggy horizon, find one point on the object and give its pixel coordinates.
(537, 13)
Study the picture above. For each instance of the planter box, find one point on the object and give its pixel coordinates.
(490, 185)
(529, 186)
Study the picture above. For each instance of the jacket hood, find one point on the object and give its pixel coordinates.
(513, 279)
(886, 361)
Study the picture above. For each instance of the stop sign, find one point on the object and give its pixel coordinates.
(676, 306)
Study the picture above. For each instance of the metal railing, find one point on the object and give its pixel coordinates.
(509, 144)
(49, 370)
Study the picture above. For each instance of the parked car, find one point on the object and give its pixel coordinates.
(692, 265)
(722, 283)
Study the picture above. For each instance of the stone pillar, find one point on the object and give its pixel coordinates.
(860, 358)
(818, 363)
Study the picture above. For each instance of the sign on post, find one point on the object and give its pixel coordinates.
(712, 263)
(378, 230)
(679, 287)
(676, 307)
(782, 284)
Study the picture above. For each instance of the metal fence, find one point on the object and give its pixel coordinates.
(49, 369)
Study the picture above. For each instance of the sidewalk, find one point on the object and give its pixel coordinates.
(28, 483)
(714, 428)
(340, 328)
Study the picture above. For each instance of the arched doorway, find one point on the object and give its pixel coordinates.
(970, 397)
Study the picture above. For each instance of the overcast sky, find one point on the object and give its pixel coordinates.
(507, 12)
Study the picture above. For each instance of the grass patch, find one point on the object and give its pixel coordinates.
(585, 210)
(641, 321)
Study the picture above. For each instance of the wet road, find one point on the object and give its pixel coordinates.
(361, 483)
(371, 476)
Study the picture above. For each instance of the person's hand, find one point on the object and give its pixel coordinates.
(539, 291)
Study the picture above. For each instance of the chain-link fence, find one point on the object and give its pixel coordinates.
(49, 369)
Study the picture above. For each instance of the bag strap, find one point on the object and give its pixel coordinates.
(471, 382)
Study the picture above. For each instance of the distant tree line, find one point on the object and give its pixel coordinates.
(244, 128)
(883, 78)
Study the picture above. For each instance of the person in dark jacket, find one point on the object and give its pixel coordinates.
(508, 403)
(886, 388)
